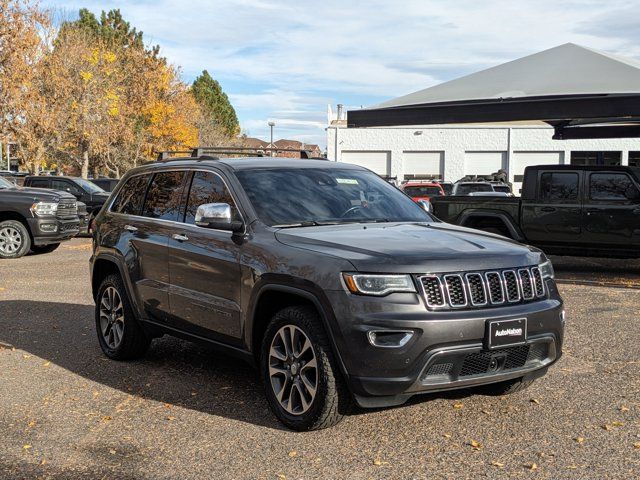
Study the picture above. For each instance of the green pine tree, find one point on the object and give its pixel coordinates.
(111, 28)
(215, 104)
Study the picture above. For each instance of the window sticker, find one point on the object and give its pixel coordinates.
(347, 181)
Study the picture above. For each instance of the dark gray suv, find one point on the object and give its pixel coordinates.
(336, 285)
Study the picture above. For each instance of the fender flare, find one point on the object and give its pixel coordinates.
(118, 262)
(309, 292)
(513, 228)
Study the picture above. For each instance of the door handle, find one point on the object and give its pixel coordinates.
(592, 210)
(548, 209)
(131, 228)
(179, 237)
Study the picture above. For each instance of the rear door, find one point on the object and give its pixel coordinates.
(204, 266)
(143, 224)
(611, 212)
(555, 215)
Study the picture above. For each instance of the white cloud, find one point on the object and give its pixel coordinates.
(278, 56)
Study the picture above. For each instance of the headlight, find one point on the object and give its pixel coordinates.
(378, 284)
(546, 269)
(44, 208)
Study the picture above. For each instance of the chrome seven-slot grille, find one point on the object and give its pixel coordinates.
(482, 289)
(67, 208)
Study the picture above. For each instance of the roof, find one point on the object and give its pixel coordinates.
(254, 142)
(243, 163)
(568, 86)
(568, 69)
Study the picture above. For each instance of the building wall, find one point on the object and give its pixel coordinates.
(456, 141)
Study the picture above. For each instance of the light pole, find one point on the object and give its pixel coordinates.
(271, 125)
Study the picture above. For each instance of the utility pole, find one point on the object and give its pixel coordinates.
(271, 125)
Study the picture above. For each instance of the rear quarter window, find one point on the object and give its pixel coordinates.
(131, 195)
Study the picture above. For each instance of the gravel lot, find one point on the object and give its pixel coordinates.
(187, 412)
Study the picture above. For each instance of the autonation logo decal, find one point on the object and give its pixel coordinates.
(509, 332)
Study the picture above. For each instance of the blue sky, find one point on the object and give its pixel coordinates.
(286, 60)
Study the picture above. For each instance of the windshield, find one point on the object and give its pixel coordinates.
(4, 183)
(466, 188)
(299, 196)
(422, 191)
(88, 186)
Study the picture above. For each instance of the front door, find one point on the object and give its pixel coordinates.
(555, 217)
(204, 267)
(611, 210)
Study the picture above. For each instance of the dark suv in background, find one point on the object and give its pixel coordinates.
(85, 191)
(333, 282)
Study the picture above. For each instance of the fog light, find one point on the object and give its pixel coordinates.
(389, 338)
(49, 227)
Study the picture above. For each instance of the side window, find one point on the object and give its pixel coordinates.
(39, 183)
(64, 185)
(611, 186)
(208, 187)
(131, 196)
(164, 196)
(559, 187)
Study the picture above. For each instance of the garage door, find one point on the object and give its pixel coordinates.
(520, 160)
(484, 163)
(379, 162)
(423, 164)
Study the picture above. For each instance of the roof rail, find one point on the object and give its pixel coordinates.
(202, 152)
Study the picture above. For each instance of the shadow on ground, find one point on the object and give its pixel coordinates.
(597, 271)
(173, 371)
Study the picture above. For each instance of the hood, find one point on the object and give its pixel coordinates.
(412, 247)
(45, 194)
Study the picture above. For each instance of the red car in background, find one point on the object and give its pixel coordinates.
(422, 190)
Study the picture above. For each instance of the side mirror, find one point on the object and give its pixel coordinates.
(217, 216)
(632, 193)
(425, 205)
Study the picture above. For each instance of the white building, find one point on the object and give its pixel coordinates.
(453, 151)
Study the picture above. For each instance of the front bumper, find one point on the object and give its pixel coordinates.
(447, 349)
(47, 230)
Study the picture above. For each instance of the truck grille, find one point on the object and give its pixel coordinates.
(482, 289)
(67, 208)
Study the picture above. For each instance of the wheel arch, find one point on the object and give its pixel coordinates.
(469, 218)
(273, 297)
(106, 264)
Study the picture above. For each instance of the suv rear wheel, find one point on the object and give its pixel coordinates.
(303, 385)
(15, 241)
(120, 335)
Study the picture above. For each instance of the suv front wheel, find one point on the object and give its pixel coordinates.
(302, 382)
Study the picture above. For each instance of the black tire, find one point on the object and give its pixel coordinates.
(133, 341)
(507, 388)
(332, 399)
(38, 249)
(15, 241)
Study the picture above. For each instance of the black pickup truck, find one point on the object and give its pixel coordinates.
(34, 219)
(564, 210)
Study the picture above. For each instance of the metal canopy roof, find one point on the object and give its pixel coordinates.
(582, 92)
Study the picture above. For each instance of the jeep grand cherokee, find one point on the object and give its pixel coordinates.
(335, 284)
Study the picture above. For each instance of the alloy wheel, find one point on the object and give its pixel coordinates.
(293, 370)
(10, 240)
(111, 317)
